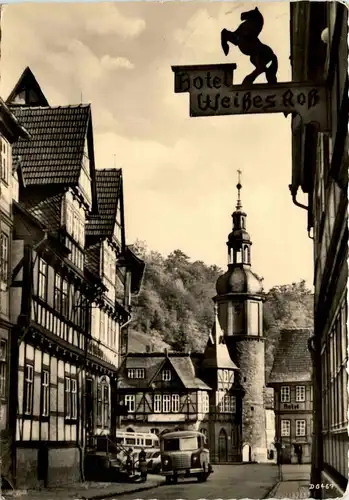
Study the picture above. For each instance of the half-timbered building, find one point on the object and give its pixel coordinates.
(319, 53)
(120, 271)
(10, 132)
(162, 392)
(222, 425)
(63, 364)
(291, 378)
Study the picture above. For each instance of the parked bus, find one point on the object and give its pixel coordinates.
(137, 441)
(184, 454)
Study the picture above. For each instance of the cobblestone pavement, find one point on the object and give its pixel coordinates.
(294, 482)
(85, 491)
(227, 482)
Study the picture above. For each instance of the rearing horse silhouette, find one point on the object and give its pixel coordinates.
(246, 38)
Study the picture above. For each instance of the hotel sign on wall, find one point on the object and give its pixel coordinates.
(291, 406)
(212, 93)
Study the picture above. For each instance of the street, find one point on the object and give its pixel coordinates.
(227, 481)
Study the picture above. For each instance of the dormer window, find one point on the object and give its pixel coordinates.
(166, 375)
(136, 373)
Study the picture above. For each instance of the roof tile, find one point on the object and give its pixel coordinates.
(292, 360)
(55, 152)
(108, 183)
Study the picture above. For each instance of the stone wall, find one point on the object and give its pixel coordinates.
(63, 467)
(248, 354)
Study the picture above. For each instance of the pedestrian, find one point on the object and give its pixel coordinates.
(299, 453)
(129, 461)
(143, 464)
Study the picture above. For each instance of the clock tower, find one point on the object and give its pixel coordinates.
(240, 305)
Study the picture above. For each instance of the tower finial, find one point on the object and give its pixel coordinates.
(239, 186)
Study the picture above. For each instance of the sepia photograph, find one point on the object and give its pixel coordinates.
(174, 250)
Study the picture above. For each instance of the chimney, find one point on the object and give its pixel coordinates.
(148, 348)
(166, 351)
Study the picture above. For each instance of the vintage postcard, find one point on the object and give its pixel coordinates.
(174, 244)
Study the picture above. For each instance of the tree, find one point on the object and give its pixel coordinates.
(175, 303)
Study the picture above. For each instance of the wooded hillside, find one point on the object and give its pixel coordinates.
(175, 303)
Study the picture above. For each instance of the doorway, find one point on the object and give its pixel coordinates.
(222, 446)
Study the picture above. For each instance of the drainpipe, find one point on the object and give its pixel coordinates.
(294, 198)
(314, 346)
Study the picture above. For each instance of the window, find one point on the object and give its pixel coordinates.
(4, 159)
(4, 257)
(285, 394)
(65, 298)
(42, 285)
(135, 373)
(74, 399)
(58, 296)
(300, 427)
(130, 402)
(166, 403)
(205, 403)
(102, 327)
(300, 393)
(166, 375)
(285, 428)
(157, 403)
(227, 403)
(105, 405)
(28, 389)
(99, 404)
(69, 219)
(45, 388)
(70, 398)
(3, 368)
(175, 403)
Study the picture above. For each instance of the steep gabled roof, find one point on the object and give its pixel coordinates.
(109, 186)
(184, 368)
(216, 354)
(55, 152)
(28, 84)
(292, 360)
(153, 363)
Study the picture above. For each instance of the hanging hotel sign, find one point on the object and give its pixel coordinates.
(212, 93)
(203, 77)
(309, 101)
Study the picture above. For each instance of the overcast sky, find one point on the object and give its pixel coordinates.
(179, 172)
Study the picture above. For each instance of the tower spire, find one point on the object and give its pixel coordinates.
(239, 187)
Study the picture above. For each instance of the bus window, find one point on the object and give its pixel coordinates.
(148, 442)
(138, 441)
(182, 444)
(171, 445)
(119, 440)
(130, 441)
(142, 441)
